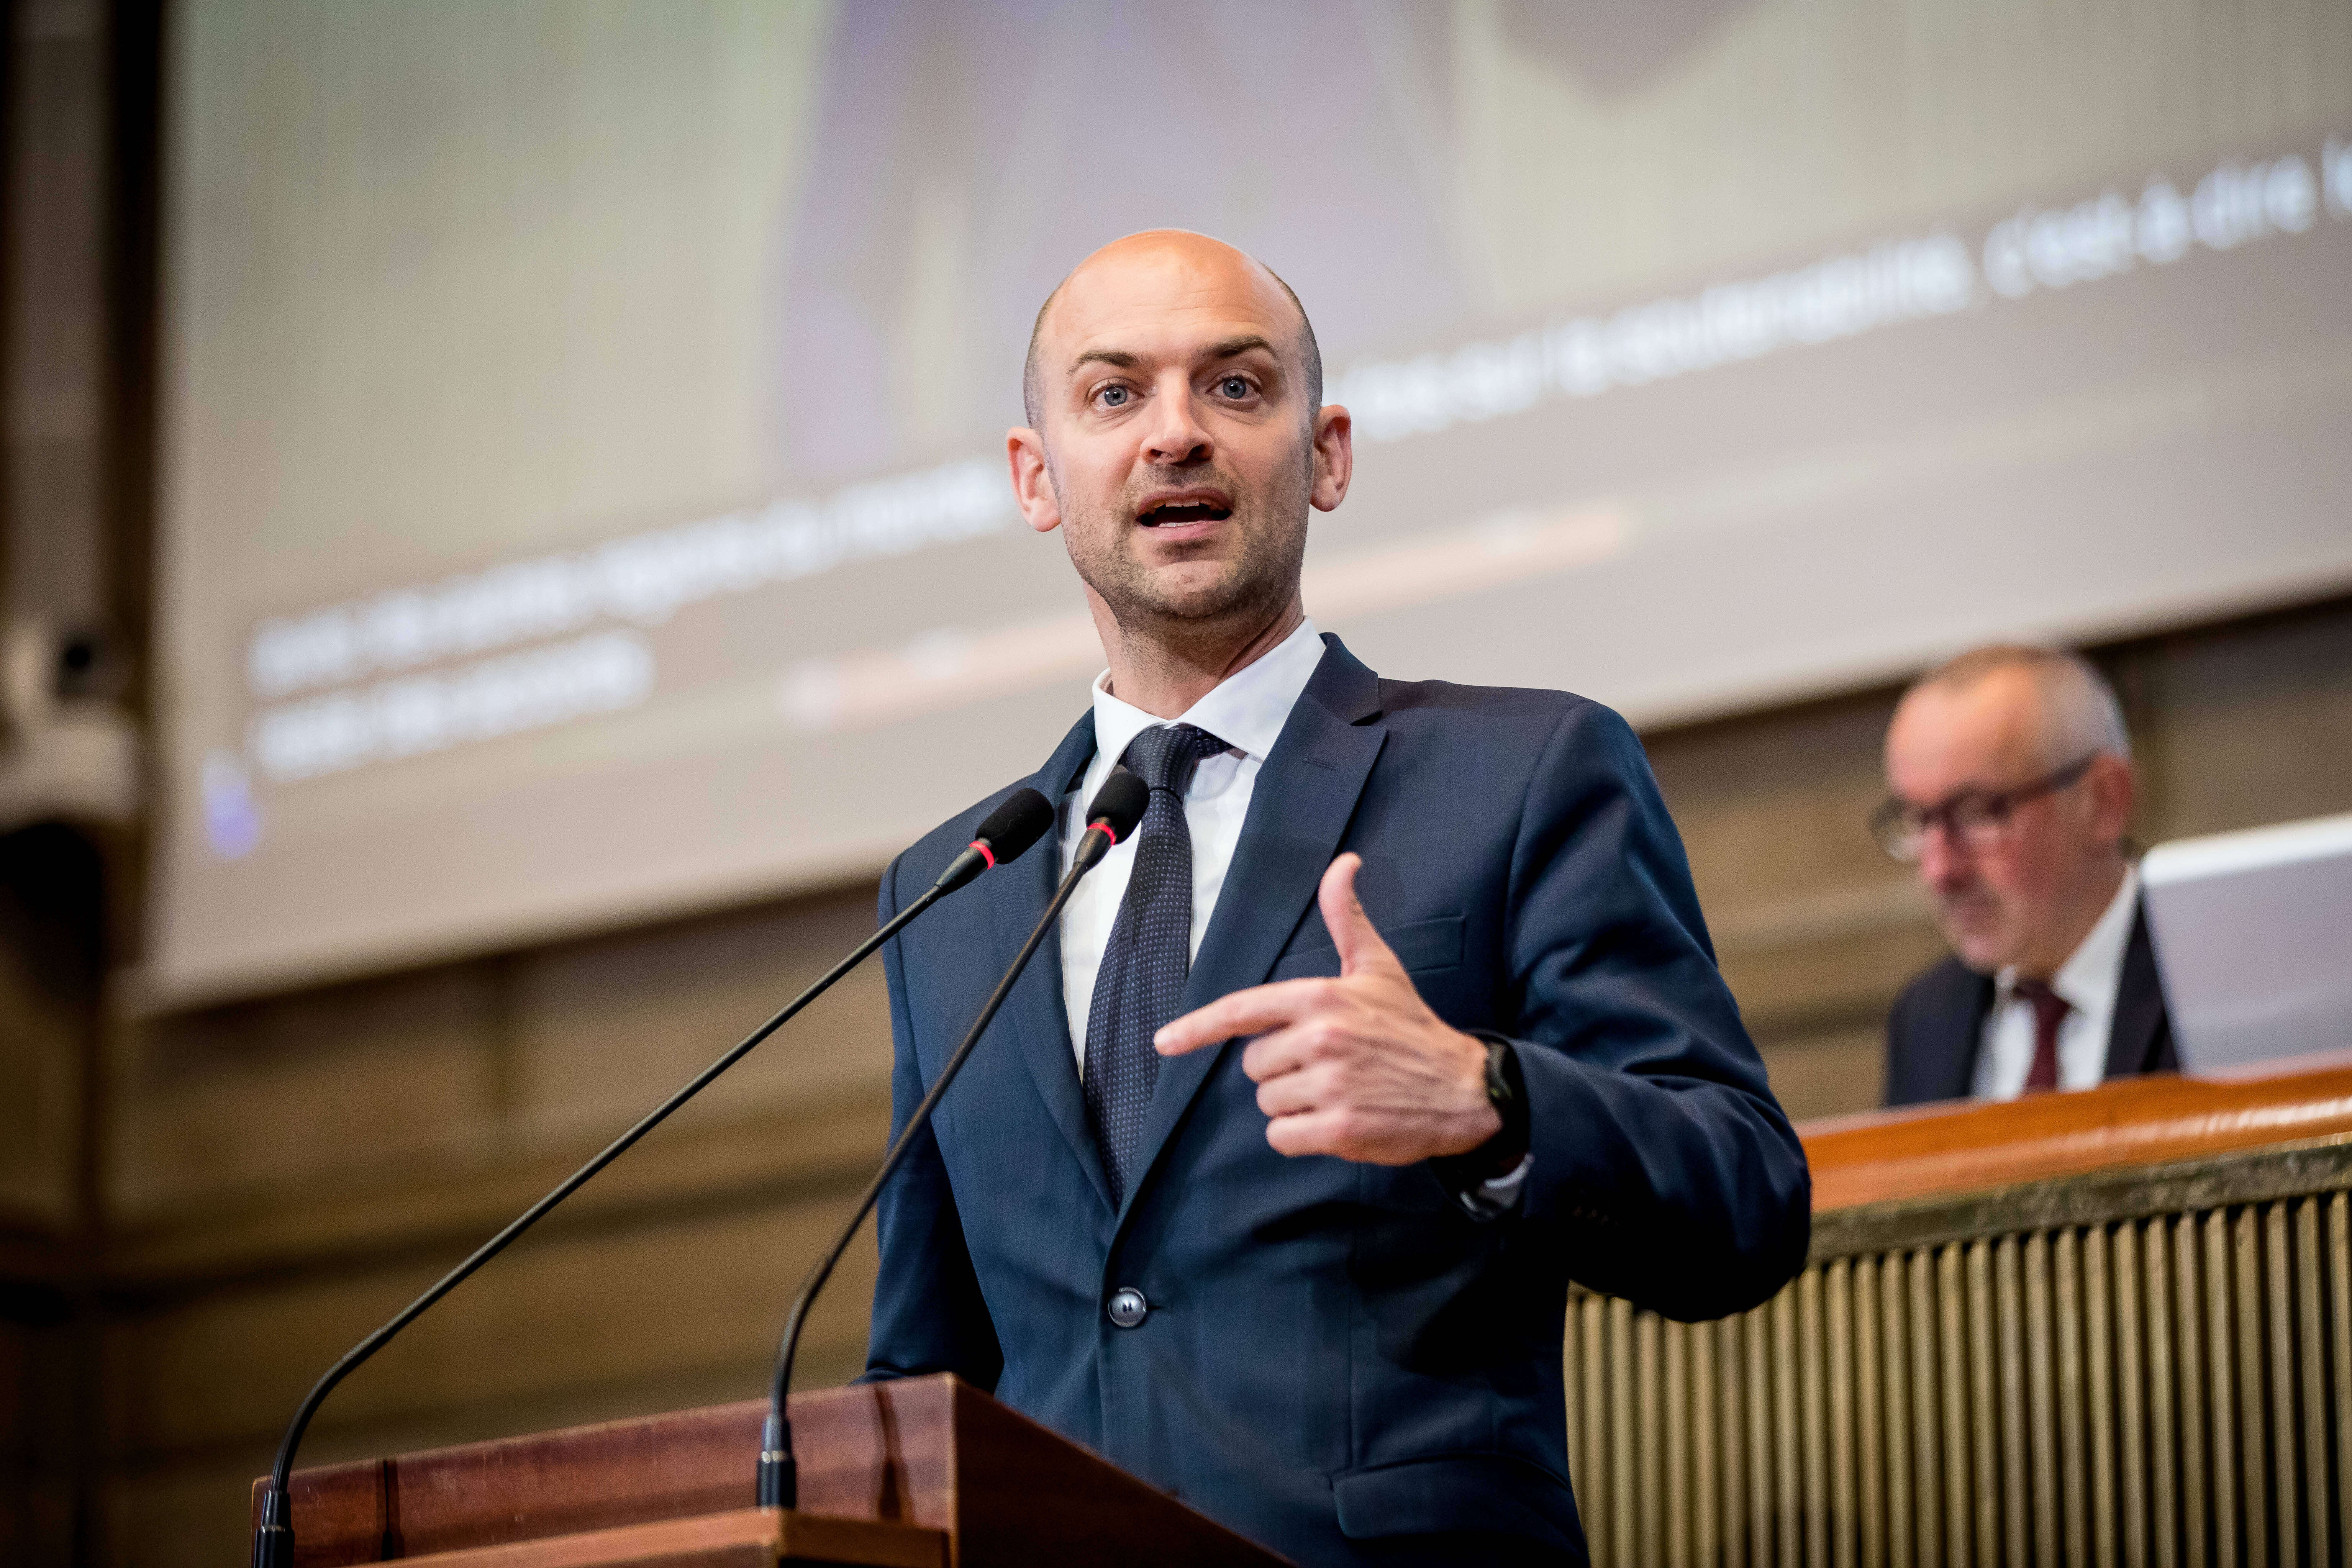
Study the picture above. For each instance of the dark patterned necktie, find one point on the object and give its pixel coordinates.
(1149, 952)
(2050, 1010)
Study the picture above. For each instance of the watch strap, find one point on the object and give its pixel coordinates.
(1502, 1159)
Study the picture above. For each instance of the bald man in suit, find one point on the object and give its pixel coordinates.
(1396, 1014)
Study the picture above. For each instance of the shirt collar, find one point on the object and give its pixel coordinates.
(1246, 710)
(2088, 979)
(2091, 972)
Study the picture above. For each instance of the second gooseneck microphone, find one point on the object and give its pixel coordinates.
(1117, 806)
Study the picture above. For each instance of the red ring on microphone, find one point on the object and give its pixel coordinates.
(1106, 829)
(985, 852)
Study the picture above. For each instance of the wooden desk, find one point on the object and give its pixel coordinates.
(2113, 1326)
(1939, 1150)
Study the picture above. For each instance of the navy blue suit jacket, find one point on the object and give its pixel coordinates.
(1335, 1354)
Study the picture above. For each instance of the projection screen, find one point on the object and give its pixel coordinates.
(584, 496)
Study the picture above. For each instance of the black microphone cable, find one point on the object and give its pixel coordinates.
(1117, 806)
(1019, 822)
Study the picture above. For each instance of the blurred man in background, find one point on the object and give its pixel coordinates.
(2012, 787)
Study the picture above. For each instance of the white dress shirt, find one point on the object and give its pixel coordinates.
(2088, 980)
(1247, 711)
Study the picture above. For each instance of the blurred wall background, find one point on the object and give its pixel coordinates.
(201, 1207)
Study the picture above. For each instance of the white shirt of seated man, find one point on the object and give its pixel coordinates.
(2089, 982)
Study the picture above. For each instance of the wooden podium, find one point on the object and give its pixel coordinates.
(924, 1473)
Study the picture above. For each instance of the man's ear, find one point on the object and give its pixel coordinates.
(1033, 483)
(1335, 456)
(2114, 791)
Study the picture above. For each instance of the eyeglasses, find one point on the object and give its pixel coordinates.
(1975, 819)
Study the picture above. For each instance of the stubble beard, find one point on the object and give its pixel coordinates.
(1256, 583)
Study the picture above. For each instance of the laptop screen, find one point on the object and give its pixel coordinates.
(2253, 932)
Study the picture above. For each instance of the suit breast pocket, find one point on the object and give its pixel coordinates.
(1424, 947)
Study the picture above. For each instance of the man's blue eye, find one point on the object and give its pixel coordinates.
(1235, 386)
(1114, 396)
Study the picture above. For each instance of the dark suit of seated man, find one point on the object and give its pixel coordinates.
(1395, 1014)
(2012, 787)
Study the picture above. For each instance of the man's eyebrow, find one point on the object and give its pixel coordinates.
(1232, 347)
(1124, 360)
(1119, 357)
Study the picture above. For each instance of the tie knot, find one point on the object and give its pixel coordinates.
(1165, 755)
(2048, 1006)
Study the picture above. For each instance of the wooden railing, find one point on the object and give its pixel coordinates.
(2109, 1327)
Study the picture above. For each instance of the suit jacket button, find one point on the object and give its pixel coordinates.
(1127, 1306)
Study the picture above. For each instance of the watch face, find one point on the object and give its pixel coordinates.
(1499, 1075)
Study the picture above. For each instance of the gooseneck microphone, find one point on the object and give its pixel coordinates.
(1117, 806)
(1011, 828)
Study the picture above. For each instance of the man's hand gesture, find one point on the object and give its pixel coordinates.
(1357, 1067)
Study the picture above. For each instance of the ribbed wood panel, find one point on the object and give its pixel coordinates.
(2165, 1390)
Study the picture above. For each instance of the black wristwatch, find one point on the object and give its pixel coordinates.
(1506, 1091)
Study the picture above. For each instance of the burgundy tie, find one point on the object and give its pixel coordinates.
(2050, 1010)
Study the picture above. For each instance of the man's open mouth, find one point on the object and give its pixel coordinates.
(1175, 512)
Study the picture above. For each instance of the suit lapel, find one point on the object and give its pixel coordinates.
(2139, 1006)
(1300, 809)
(1962, 1058)
(1034, 1009)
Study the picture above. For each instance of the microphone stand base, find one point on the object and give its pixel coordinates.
(273, 1547)
(778, 1484)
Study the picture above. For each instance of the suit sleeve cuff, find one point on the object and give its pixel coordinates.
(1493, 1199)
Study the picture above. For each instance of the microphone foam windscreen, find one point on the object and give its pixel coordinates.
(1119, 804)
(1021, 820)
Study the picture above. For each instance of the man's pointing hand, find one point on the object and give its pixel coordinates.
(1357, 1067)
